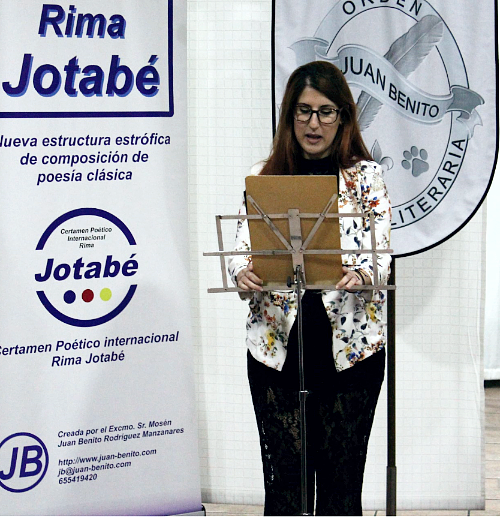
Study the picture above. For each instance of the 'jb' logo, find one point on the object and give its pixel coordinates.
(23, 462)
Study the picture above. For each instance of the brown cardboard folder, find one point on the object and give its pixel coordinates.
(275, 195)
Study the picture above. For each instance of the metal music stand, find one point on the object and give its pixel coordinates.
(296, 248)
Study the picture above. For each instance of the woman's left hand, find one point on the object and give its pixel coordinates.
(349, 280)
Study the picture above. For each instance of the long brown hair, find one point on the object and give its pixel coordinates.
(347, 147)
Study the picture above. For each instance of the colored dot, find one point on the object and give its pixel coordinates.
(69, 297)
(106, 294)
(87, 295)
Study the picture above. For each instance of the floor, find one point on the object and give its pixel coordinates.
(492, 438)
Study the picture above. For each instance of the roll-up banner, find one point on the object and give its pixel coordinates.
(97, 405)
(424, 74)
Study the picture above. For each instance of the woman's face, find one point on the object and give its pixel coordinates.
(315, 138)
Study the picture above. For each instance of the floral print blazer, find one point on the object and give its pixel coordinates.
(356, 317)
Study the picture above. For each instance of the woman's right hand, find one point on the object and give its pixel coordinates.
(248, 280)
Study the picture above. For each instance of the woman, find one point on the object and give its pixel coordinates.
(343, 329)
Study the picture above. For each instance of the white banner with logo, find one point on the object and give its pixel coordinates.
(97, 406)
(424, 76)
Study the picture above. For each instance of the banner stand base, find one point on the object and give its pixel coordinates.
(201, 511)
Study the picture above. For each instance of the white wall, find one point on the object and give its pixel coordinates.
(439, 297)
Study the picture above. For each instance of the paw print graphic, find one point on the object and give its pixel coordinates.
(416, 161)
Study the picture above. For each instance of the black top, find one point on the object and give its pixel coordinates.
(322, 166)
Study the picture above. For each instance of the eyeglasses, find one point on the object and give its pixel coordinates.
(326, 114)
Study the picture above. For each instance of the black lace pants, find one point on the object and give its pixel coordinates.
(340, 411)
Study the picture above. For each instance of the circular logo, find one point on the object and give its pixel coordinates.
(24, 461)
(416, 111)
(87, 267)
